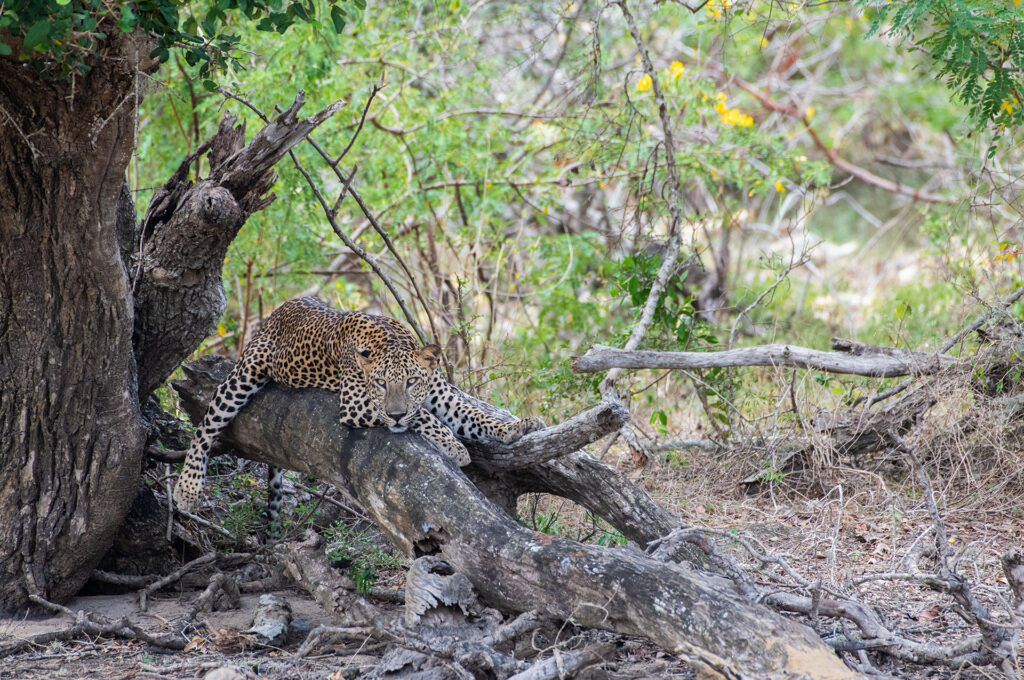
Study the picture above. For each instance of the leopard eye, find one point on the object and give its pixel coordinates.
(412, 381)
(380, 383)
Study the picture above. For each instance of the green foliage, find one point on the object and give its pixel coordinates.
(478, 174)
(63, 36)
(976, 46)
(674, 312)
(358, 550)
(769, 473)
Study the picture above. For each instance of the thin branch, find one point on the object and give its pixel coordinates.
(362, 254)
(830, 153)
(675, 203)
(362, 119)
(172, 577)
(948, 345)
(391, 247)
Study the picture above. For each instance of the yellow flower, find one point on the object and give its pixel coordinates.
(734, 117)
(222, 330)
(644, 83)
(809, 112)
(677, 69)
(764, 42)
(780, 187)
(1006, 106)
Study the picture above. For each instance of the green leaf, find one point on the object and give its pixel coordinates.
(4, 49)
(210, 85)
(37, 33)
(128, 19)
(170, 13)
(338, 18)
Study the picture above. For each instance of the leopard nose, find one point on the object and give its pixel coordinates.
(397, 417)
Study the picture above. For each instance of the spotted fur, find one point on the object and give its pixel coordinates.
(383, 379)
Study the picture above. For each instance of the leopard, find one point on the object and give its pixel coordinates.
(382, 376)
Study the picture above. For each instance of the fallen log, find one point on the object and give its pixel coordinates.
(427, 506)
(852, 358)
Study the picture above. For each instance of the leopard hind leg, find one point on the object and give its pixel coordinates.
(244, 381)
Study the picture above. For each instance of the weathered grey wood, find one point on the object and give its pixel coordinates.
(426, 506)
(187, 230)
(496, 470)
(552, 442)
(565, 664)
(855, 348)
(430, 583)
(601, 358)
(271, 619)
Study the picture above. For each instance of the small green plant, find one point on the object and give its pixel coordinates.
(676, 458)
(660, 421)
(244, 517)
(358, 550)
(546, 523)
(770, 473)
(611, 538)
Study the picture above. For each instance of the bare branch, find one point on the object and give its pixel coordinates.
(601, 358)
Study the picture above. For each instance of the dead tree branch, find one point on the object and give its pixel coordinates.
(601, 358)
(427, 506)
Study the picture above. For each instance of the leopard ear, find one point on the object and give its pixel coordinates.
(363, 359)
(430, 356)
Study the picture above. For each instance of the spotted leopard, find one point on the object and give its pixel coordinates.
(382, 376)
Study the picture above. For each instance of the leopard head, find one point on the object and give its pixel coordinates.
(398, 381)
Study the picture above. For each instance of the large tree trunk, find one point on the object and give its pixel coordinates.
(428, 507)
(71, 434)
(95, 309)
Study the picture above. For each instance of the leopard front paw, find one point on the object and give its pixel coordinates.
(457, 451)
(515, 431)
(529, 425)
(187, 499)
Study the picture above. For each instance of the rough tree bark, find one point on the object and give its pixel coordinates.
(428, 507)
(86, 327)
(71, 434)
